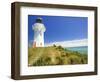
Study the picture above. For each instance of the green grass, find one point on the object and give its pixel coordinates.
(54, 55)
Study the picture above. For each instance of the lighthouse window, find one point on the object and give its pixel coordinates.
(41, 43)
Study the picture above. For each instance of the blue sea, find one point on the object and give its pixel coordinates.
(81, 49)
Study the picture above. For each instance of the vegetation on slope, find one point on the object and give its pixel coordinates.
(54, 55)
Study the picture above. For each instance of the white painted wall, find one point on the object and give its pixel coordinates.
(39, 30)
(5, 40)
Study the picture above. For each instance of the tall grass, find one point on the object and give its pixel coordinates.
(55, 55)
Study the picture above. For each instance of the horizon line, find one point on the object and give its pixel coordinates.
(69, 43)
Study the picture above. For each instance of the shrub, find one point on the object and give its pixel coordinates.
(54, 45)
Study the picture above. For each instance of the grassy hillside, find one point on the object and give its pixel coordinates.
(54, 55)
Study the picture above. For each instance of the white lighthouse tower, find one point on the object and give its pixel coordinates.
(39, 30)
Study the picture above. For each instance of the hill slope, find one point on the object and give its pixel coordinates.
(54, 55)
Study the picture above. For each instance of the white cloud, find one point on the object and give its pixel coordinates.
(72, 43)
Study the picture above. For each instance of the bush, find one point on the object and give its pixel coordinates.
(54, 45)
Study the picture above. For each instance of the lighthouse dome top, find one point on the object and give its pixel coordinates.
(39, 20)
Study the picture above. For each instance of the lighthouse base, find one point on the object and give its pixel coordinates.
(38, 44)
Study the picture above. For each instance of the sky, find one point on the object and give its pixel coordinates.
(60, 28)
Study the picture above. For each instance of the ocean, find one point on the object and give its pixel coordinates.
(81, 49)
